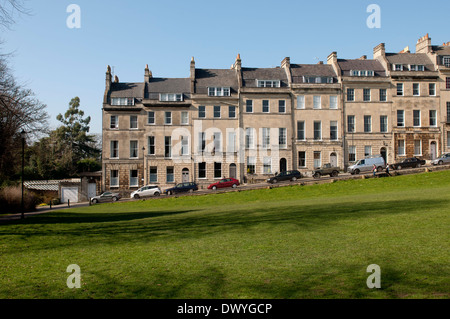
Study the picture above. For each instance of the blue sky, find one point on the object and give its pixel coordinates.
(59, 63)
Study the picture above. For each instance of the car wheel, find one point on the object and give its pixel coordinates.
(136, 196)
(114, 199)
(275, 180)
(418, 165)
(399, 167)
(334, 174)
(94, 201)
(214, 187)
(316, 175)
(379, 169)
(156, 194)
(294, 179)
(234, 186)
(169, 193)
(440, 162)
(191, 190)
(356, 171)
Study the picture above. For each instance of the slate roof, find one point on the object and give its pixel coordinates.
(250, 75)
(441, 50)
(215, 78)
(127, 89)
(355, 64)
(411, 58)
(298, 71)
(166, 85)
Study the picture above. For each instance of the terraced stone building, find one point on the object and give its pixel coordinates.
(249, 123)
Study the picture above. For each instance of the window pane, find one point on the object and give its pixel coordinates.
(301, 130)
(333, 130)
(265, 106)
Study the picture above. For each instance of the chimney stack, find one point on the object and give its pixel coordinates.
(192, 74)
(332, 58)
(423, 45)
(107, 84)
(379, 51)
(116, 79)
(364, 57)
(148, 74)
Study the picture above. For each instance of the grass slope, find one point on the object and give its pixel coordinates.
(290, 242)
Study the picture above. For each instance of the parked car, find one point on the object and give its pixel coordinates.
(326, 169)
(148, 190)
(366, 164)
(444, 159)
(408, 162)
(284, 176)
(182, 188)
(106, 197)
(225, 182)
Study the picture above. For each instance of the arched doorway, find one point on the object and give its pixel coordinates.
(185, 175)
(383, 153)
(433, 150)
(333, 159)
(232, 170)
(283, 165)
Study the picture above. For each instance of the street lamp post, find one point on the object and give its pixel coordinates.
(22, 135)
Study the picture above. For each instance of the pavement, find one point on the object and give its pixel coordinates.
(39, 210)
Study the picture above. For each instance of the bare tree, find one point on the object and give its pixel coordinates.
(19, 110)
(7, 10)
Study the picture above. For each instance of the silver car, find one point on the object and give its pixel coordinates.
(106, 197)
(444, 159)
(148, 190)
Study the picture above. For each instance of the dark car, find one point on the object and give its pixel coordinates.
(285, 176)
(106, 197)
(408, 162)
(326, 169)
(182, 188)
(226, 182)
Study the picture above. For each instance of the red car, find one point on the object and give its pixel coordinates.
(226, 182)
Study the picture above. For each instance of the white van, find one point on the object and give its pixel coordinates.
(366, 164)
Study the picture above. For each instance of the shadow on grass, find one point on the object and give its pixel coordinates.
(135, 227)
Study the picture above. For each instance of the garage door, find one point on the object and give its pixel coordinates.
(69, 193)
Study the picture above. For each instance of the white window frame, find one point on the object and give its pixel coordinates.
(184, 118)
(386, 124)
(232, 111)
(352, 151)
(320, 130)
(114, 181)
(115, 125)
(369, 117)
(217, 110)
(122, 101)
(184, 145)
(446, 61)
(353, 123)
(267, 165)
(132, 121)
(114, 149)
(367, 95)
(432, 89)
(419, 118)
(397, 67)
(151, 117)
(282, 137)
(317, 162)
(268, 83)
(402, 112)
(268, 106)
(336, 131)
(166, 118)
(219, 91)
(249, 105)
(172, 175)
(134, 181)
(281, 106)
(302, 130)
(317, 102)
(433, 117)
(171, 97)
(333, 102)
(134, 150)
(420, 148)
(201, 112)
(383, 95)
(401, 148)
(350, 95)
(265, 138)
(300, 102)
(416, 89)
(367, 150)
(401, 91)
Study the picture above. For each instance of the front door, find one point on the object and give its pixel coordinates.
(283, 165)
(433, 150)
(92, 190)
(185, 175)
(232, 170)
(383, 153)
(333, 160)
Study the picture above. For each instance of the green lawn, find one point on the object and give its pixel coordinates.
(289, 242)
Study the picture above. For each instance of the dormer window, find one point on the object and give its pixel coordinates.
(218, 91)
(268, 83)
(171, 97)
(416, 67)
(446, 61)
(317, 79)
(122, 101)
(362, 73)
(398, 67)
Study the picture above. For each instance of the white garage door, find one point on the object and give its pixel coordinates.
(69, 193)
